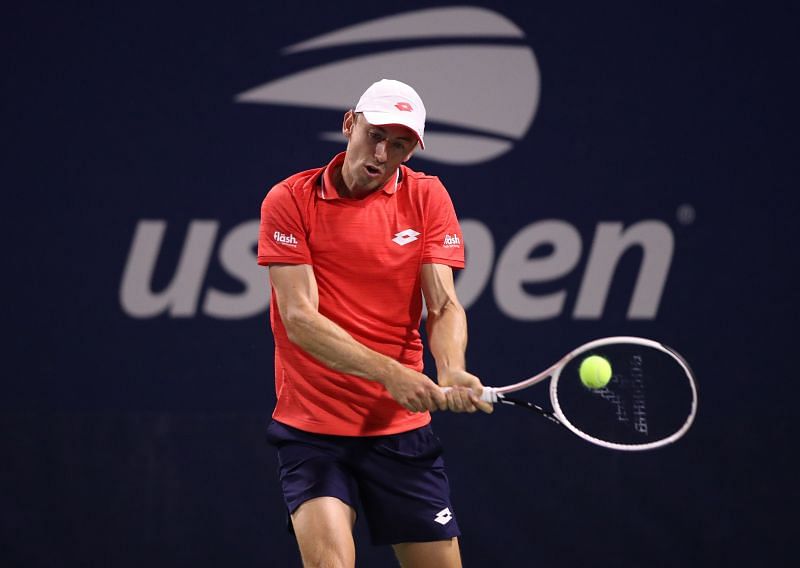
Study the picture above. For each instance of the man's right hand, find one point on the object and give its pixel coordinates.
(415, 391)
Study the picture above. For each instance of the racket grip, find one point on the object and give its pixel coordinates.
(489, 394)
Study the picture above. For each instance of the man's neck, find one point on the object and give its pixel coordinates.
(342, 187)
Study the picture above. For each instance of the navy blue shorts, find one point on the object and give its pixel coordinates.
(398, 480)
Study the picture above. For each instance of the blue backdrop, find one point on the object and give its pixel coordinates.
(620, 169)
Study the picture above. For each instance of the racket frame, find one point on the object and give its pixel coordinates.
(498, 394)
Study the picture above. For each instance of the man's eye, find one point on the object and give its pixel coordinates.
(375, 135)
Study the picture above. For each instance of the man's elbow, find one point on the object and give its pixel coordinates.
(450, 306)
(298, 323)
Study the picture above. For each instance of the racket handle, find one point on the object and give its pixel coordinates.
(489, 394)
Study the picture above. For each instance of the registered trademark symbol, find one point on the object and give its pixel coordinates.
(686, 214)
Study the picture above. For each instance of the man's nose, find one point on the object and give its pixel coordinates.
(380, 151)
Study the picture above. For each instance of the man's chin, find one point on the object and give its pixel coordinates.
(372, 184)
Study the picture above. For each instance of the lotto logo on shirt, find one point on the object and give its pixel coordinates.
(288, 240)
(452, 241)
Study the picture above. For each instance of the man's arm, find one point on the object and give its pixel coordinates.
(297, 296)
(447, 339)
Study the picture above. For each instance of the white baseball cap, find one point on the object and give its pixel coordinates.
(392, 102)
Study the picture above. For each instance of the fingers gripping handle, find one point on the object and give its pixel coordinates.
(489, 394)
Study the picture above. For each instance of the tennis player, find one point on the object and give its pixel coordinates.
(349, 247)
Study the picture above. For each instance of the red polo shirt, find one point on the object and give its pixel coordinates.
(366, 255)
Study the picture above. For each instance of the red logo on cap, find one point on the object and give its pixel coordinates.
(404, 106)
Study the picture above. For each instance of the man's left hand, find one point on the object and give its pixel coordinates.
(465, 392)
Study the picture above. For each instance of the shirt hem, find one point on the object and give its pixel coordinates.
(423, 419)
(445, 261)
(265, 260)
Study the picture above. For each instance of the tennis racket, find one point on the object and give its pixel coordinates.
(650, 401)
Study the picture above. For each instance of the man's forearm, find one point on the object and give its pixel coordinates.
(335, 348)
(447, 337)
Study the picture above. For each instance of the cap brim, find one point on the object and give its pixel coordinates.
(378, 118)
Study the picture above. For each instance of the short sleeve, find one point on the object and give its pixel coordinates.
(444, 243)
(282, 236)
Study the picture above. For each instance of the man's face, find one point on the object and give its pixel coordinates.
(373, 152)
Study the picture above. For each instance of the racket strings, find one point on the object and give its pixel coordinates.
(650, 397)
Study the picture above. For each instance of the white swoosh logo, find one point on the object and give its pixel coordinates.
(456, 21)
(490, 91)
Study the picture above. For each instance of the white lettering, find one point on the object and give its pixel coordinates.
(285, 239)
(539, 253)
(610, 243)
(179, 298)
(515, 268)
(237, 256)
(452, 241)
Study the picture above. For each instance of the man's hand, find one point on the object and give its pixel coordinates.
(415, 391)
(465, 394)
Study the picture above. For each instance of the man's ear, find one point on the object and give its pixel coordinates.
(348, 123)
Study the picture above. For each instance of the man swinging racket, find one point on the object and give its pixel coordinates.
(349, 247)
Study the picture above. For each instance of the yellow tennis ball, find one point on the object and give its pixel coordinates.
(595, 372)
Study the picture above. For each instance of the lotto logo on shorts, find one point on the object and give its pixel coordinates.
(452, 241)
(288, 240)
(444, 516)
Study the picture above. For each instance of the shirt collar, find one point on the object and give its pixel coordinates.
(327, 190)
